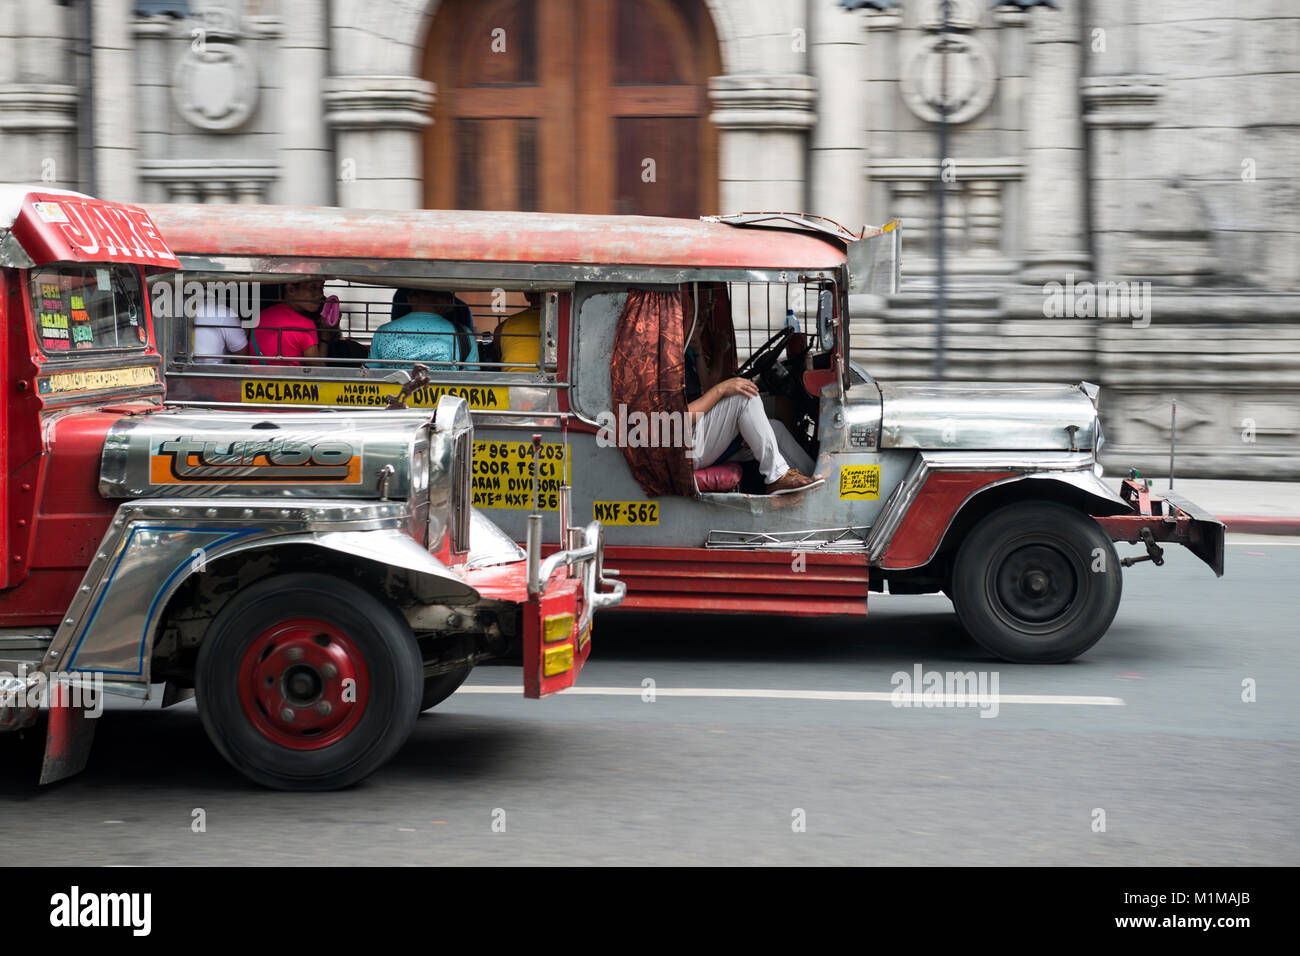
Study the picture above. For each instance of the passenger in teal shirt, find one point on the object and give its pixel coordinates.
(422, 335)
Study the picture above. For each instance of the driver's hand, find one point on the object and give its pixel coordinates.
(738, 386)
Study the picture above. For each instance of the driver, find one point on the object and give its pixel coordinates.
(722, 409)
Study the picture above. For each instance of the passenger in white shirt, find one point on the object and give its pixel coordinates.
(217, 332)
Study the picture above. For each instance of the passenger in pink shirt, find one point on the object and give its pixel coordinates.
(286, 333)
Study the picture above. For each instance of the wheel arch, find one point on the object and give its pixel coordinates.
(188, 603)
(1025, 488)
(1082, 491)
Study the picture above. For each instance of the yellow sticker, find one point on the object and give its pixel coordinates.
(502, 475)
(625, 512)
(860, 482)
(94, 380)
(364, 394)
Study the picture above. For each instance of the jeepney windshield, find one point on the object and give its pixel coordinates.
(80, 308)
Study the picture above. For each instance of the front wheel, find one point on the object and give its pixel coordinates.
(308, 682)
(1036, 583)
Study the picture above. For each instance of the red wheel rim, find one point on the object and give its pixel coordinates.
(303, 684)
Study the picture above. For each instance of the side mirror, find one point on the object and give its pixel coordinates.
(826, 319)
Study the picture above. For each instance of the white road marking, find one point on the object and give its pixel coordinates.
(916, 700)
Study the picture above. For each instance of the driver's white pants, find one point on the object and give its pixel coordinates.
(770, 442)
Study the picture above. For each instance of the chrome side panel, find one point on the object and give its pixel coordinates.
(1003, 416)
(1075, 469)
(152, 547)
(851, 425)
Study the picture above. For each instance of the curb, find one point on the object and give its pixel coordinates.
(1239, 524)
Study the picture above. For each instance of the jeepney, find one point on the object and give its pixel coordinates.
(991, 493)
(315, 578)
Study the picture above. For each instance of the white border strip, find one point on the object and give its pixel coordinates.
(913, 700)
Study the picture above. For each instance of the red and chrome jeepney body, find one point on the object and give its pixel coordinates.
(316, 577)
(990, 492)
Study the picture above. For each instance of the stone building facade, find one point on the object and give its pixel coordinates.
(1121, 181)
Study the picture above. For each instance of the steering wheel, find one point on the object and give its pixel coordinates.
(767, 354)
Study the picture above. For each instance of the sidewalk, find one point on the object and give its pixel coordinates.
(1252, 507)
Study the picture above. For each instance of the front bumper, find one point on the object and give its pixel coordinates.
(556, 605)
(1166, 518)
(588, 560)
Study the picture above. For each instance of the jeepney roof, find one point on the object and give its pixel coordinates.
(12, 196)
(484, 236)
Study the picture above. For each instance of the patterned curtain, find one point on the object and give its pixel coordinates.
(647, 374)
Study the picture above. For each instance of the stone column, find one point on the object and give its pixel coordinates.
(763, 120)
(378, 121)
(38, 96)
(1119, 111)
(880, 96)
(38, 123)
(1055, 227)
(837, 157)
(305, 156)
(113, 69)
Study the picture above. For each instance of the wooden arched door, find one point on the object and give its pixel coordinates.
(572, 106)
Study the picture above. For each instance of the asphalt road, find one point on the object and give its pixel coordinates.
(1150, 727)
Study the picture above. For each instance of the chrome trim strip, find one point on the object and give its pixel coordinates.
(840, 540)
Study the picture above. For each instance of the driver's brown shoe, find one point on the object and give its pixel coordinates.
(791, 482)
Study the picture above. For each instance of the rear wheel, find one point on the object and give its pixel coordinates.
(308, 682)
(1036, 583)
(441, 686)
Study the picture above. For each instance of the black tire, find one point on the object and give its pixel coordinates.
(284, 637)
(441, 686)
(1025, 587)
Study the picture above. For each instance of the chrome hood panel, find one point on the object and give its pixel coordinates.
(986, 415)
(283, 455)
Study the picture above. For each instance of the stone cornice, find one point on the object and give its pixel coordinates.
(1010, 16)
(927, 167)
(882, 21)
(1121, 101)
(38, 107)
(378, 102)
(764, 101)
(166, 25)
(209, 170)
